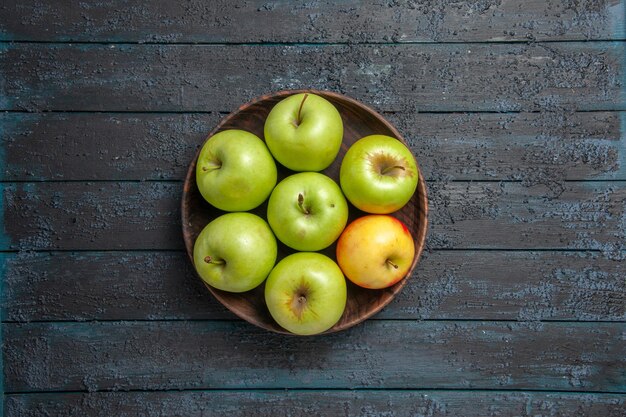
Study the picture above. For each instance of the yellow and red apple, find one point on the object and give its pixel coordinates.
(375, 251)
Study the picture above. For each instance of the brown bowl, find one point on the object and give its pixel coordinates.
(359, 121)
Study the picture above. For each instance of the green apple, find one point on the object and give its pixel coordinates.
(307, 211)
(304, 132)
(235, 252)
(235, 171)
(306, 293)
(378, 174)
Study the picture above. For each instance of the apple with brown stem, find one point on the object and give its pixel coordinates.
(378, 174)
(375, 251)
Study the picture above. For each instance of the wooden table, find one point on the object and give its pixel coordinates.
(514, 109)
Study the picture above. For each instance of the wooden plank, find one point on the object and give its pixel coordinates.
(446, 285)
(376, 354)
(316, 403)
(105, 286)
(463, 215)
(473, 146)
(101, 146)
(105, 215)
(320, 21)
(428, 77)
(517, 146)
(525, 216)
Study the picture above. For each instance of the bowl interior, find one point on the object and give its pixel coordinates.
(359, 121)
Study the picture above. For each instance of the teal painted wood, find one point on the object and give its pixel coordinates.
(321, 21)
(318, 403)
(548, 146)
(3, 280)
(101, 146)
(111, 215)
(5, 239)
(477, 285)
(463, 215)
(376, 354)
(542, 150)
(425, 77)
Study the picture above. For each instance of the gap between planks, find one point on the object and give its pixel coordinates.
(305, 44)
(374, 318)
(435, 249)
(305, 389)
(180, 181)
(442, 249)
(383, 112)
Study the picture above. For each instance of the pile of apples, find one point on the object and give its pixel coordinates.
(306, 291)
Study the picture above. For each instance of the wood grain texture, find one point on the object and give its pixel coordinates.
(529, 215)
(320, 21)
(428, 77)
(101, 146)
(488, 215)
(111, 215)
(503, 105)
(473, 146)
(376, 354)
(447, 285)
(316, 403)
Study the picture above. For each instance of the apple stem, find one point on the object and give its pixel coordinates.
(392, 264)
(298, 120)
(386, 170)
(210, 260)
(211, 167)
(301, 204)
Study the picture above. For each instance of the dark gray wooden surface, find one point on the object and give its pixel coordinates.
(391, 77)
(515, 110)
(228, 21)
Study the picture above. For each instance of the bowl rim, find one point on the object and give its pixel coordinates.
(421, 189)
